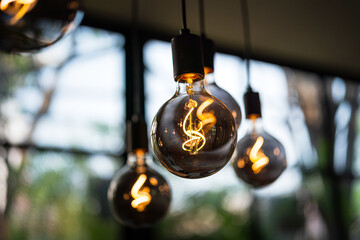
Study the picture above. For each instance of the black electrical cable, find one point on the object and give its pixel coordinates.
(184, 14)
(202, 18)
(136, 58)
(247, 39)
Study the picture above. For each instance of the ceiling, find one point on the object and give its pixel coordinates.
(322, 36)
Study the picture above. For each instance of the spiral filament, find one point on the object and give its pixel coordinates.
(141, 197)
(257, 157)
(195, 131)
(196, 139)
(16, 8)
(206, 118)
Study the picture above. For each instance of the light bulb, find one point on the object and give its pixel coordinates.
(210, 84)
(193, 135)
(27, 25)
(223, 96)
(138, 195)
(260, 158)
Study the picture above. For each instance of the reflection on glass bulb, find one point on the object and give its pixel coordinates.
(16, 8)
(27, 25)
(193, 135)
(260, 158)
(222, 95)
(138, 195)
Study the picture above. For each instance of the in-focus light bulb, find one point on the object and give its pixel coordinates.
(27, 25)
(212, 87)
(193, 135)
(138, 195)
(260, 158)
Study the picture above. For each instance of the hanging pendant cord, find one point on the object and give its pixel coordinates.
(184, 14)
(202, 18)
(136, 58)
(246, 32)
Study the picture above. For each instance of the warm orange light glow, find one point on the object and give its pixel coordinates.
(257, 157)
(141, 195)
(208, 70)
(195, 129)
(253, 116)
(153, 181)
(206, 118)
(17, 8)
(241, 163)
(196, 139)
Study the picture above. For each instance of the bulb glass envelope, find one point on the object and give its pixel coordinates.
(193, 134)
(138, 195)
(260, 159)
(27, 25)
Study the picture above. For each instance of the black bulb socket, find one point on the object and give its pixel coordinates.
(208, 52)
(252, 104)
(187, 54)
(136, 135)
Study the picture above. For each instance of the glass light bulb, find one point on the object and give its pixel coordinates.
(193, 135)
(223, 96)
(27, 25)
(260, 158)
(138, 195)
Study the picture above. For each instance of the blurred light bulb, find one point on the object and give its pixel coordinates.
(27, 25)
(260, 158)
(212, 87)
(223, 96)
(193, 135)
(138, 195)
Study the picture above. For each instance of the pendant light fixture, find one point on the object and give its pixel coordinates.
(138, 195)
(210, 84)
(193, 135)
(260, 158)
(27, 25)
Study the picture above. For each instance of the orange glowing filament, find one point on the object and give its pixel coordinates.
(206, 118)
(194, 131)
(18, 9)
(141, 197)
(196, 139)
(257, 157)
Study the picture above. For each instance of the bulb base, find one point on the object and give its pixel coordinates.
(208, 52)
(136, 135)
(187, 54)
(252, 104)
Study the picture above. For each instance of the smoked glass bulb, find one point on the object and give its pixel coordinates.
(260, 158)
(193, 135)
(223, 96)
(27, 25)
(138, 195)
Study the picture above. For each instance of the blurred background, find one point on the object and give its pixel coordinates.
(63, 114)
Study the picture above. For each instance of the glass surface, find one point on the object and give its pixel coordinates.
(193, 135)
(35, 24)
(224, 96)
(260, 158)
(138, 195)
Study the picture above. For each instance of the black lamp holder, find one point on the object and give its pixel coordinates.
(252, 104)
(187, 51)
(136, 134)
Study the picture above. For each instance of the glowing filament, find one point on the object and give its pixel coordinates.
(206, 118)
(20, 8)
(257, 157)
(141, 197)
(196, 139)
